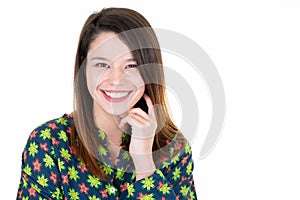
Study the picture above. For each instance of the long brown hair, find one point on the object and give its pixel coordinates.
(118, 20)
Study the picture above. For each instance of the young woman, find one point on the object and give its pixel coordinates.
(120, 141)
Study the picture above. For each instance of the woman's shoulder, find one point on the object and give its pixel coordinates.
(53, 132)
(57, 124)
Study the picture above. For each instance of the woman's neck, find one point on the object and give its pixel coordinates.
(109, 124)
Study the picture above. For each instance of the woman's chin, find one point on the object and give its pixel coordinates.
(117, 112)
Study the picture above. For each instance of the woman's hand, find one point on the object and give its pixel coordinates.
(143, 131)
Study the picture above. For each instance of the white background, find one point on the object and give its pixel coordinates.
(255, 46)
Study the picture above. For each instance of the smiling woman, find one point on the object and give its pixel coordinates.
(112, 76)
(120, 141)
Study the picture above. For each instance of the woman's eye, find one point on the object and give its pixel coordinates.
(130, 66)
(102, 65)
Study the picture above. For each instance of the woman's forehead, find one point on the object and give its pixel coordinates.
(109, 46)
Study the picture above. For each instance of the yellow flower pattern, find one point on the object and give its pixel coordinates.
(51, 170)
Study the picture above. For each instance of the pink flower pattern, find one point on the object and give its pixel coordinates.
(69, 178)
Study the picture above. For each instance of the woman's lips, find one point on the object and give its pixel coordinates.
(116, 95)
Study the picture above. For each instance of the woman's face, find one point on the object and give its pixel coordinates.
(113, 79)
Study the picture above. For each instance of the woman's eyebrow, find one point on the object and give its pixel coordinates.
(106, 59)
(131, 59)
(99, 58)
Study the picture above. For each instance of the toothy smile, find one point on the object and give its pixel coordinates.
(115, 96)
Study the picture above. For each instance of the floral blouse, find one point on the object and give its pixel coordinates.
(51, 170)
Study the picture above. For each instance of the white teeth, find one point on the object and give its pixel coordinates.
(116, 94)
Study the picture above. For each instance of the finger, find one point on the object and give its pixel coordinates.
(140, 112)
(140, 120)
(133, 121)
(150, 106)
(148, 101)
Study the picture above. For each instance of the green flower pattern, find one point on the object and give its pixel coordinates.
(148, 183)
(51, 170)
(94, 181)
(33, 149)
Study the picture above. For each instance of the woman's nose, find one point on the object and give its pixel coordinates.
(116, 75)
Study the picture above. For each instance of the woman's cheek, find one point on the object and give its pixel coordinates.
(93, 81)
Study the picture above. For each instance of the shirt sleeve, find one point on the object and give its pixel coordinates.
(173, 181)
(39, 171)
